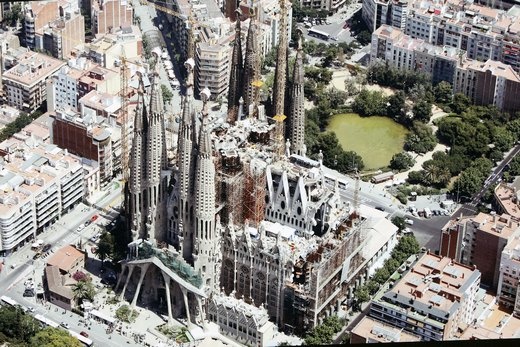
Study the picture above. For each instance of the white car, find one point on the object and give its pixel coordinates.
(408, 221)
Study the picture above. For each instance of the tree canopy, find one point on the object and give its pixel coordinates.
(51, 337)
(323, 333)
(420, 139)
(401, 161)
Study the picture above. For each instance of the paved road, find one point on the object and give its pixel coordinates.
(427, 231)
(63, 232)
(470, 208)
(335, 28)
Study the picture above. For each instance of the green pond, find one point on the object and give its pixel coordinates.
(376, 139)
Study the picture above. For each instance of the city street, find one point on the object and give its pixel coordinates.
(335, 28)
(62, 233)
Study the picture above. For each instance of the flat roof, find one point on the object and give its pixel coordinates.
(373, 330)
(32, 68)
(436, 285)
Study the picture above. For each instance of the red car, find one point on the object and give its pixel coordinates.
(94, 217)
(84, 334)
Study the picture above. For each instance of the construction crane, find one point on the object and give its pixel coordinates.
(123, 94)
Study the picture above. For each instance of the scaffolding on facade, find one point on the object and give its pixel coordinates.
(230, 177)
(254, 193)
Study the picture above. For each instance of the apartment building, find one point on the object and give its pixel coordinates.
(108, 49)
(485, 83)
(479, 240)
(213, 64)
(333, 6)
(506, 201)
(215, 34)
(76, 79)
(87, 136)
(369, 330)
(25, 84)
(432, 300)
(488, 83)
(508, 290)
(484, 33)
(269, 19)
(39, 183)
(406, 53)
(37, 15)
(62, 36)
(375, 13)
(110, 14)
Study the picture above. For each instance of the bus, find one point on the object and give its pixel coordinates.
(46, 321)
(318, 34)
(7, 300)
(84, 340)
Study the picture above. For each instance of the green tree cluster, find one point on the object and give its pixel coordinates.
(388, 76)
(401, 161)
(422, 111)
(167, 95)
(18, 329)
(333, 154)
(420, 139)
(51, 337)
(407, 246)
(14, 15)
(472, 179)
(370, 103)
(18, 124)
(322, 334)
(105, 247)
(438, 171)
(126, 314)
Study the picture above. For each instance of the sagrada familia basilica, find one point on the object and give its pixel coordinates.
(241, 223)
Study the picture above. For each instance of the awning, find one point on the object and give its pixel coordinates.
(102, 316)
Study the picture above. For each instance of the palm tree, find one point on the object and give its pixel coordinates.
(83, 290)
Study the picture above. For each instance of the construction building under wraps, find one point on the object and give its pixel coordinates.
(249, 216)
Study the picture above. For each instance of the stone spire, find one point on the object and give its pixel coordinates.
(237, 70)
(205, 229)
(148, 163)
(251, 66)
(186, 162)
(297, 111)
(281, 63)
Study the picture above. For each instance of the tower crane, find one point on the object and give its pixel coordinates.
(123, 93)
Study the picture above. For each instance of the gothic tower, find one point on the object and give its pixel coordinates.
(281, 63)
(186, 162)
(149, 177)
(251, 66)
(207, 237)
(237, 70)
(297, 111)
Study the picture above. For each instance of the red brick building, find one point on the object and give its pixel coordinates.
(478, 240)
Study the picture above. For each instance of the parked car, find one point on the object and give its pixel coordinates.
(84, 334)
(46, 248)
(28, 292)
(65, 325)
(409, 221)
